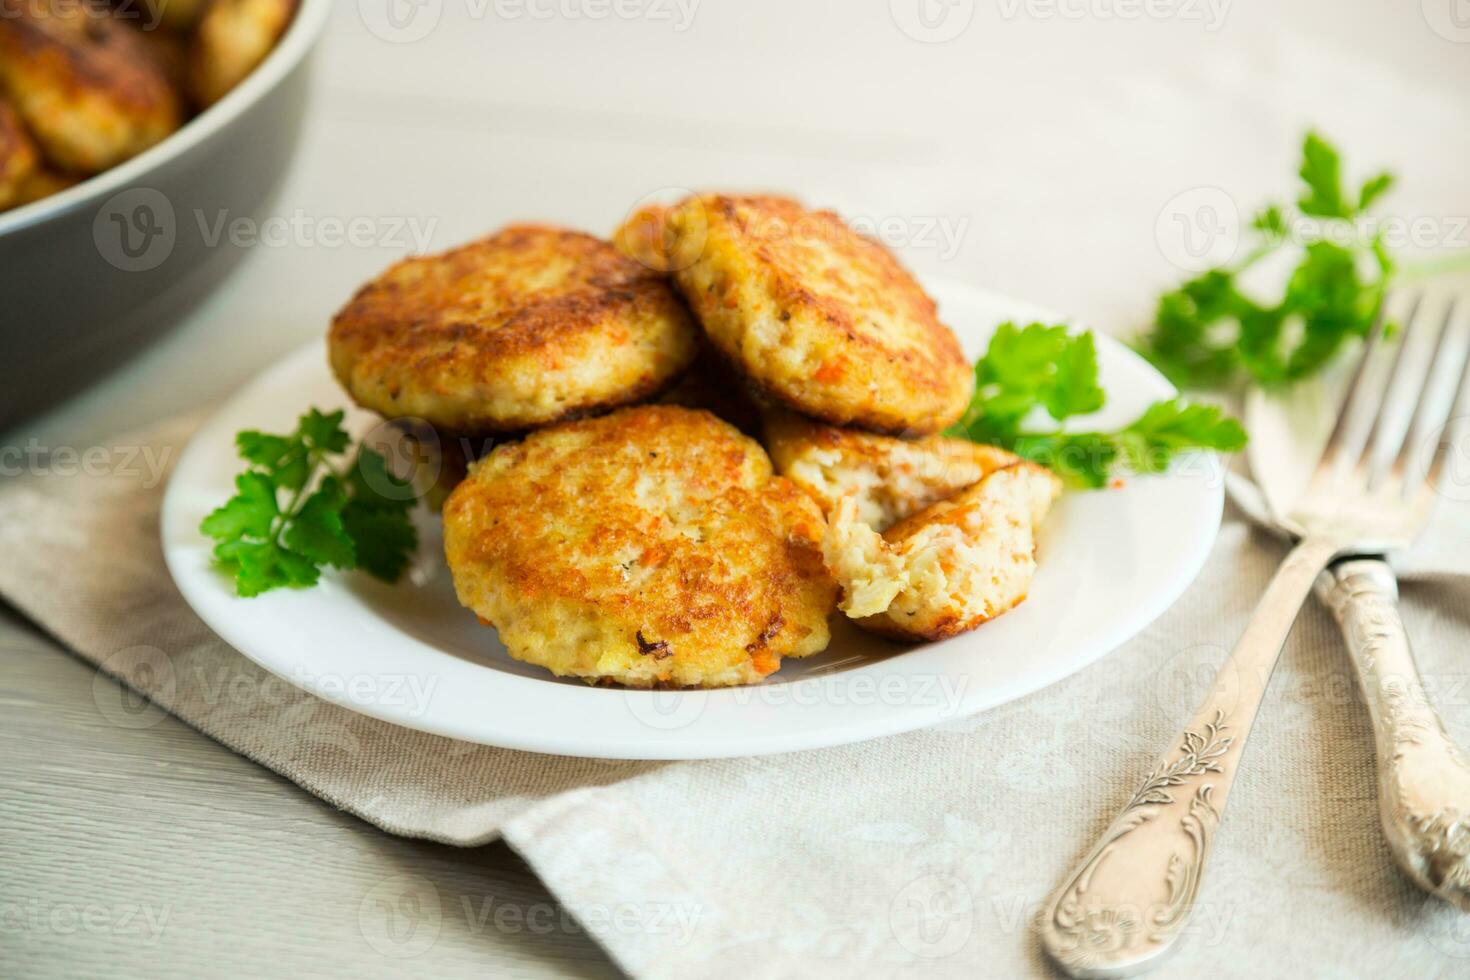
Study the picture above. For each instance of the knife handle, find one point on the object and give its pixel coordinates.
(1423, 778)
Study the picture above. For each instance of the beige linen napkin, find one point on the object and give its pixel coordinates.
(926, 853)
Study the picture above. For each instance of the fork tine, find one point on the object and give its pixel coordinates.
(1397, 387)
(1429, 414)
(1332, 453)
(1425, 497)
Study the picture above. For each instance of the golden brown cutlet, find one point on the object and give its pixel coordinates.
(650, 547)
(530, 326)
(18, 156)
(84, 83)
(890, 478)
(816, 316)
(231, 40)
(949, 568)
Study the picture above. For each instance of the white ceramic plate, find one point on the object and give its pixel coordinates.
(1111, 561)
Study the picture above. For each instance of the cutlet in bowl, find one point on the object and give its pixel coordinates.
(18, 157)
(84, 82)
(651, 547)
(530, 326)
(231, 39)
(178, 16)
(815, 315)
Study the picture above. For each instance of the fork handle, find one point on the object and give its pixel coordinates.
(1124, 907)
(1423, 779)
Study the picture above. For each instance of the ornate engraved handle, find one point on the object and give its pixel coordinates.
(1123, 908)
(1423, 781)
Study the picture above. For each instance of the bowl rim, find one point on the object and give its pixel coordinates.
(305, 30)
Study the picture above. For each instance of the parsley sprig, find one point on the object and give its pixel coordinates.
(295, 511)
(1048, 369)
(1210, 333)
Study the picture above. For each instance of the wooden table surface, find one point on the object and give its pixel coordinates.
(156, 852)
(1029, 154)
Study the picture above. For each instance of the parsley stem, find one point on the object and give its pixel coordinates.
(286, 515)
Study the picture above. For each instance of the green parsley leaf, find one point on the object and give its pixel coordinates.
(317, 532)
(266, 451)
(286, 460)
(1209, 333)
(265, 565)
(1038, 365)
(1373, 189)
(1322, 173)
(1170, 427)
(1015, 379)
(1271, 221)
(324, 433)
(383, 539)
(373, 484)
(358, 520)
(377, 519)
(1074, 389)
(250, 513)
(1083, 459)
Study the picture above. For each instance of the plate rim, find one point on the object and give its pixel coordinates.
(555, 741)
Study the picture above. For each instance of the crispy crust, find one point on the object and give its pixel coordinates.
(18, 158)
(651, 547)
(176, 15)
(42, 183)
(233, 38)
(643, 237)
(817, 316)
(944, 626)
(890, 479)
(531, 326)
(170, 52)
(84, 83)
(951, 567)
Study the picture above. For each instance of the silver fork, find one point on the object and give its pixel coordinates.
(1423, 776)
(1124, 907)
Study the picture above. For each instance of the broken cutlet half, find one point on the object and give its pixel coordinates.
(950, 567)
(889, 479)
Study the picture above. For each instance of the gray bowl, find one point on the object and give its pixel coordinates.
(89, 275)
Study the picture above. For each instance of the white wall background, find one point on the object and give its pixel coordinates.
(1037, 151)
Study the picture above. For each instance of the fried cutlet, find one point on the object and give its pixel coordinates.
(890, 479)
(651, 547)
(18, 157)
(948, 568)
(232, 38)
(817, 317)
(174, 15)
(83, 82)
(530, 326)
